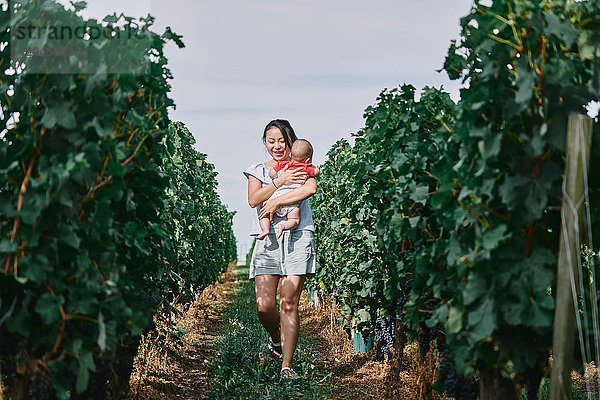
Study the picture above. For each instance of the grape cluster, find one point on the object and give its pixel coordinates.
(159, 292)
(384, 332)
(423, 340)
(455, 385)
(403, 299)
(427, 335)
(199, 289)
(150, 292)
(40, 387)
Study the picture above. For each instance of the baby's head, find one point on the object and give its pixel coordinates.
(301, 150)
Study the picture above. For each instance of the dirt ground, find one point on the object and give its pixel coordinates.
(182, 375)
(160, 373)
(360, 375)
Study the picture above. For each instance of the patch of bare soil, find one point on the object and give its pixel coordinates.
(171, 364)
(361, 375)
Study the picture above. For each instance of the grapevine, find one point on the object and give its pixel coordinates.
(463, 197)
(100, 229)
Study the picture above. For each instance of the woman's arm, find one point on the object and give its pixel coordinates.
(294, 196)
(257, 194)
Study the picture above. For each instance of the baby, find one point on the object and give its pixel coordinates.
(302, 152)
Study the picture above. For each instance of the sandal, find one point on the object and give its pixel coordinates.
(274, 353)
(288, 373)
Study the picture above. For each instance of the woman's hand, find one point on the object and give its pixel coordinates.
(288, 177)
(268, 208)
(296, 195)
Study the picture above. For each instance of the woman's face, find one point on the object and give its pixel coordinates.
(276, 145)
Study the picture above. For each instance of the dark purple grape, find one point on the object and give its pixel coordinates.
(384, 332)
(455, 385)
(40, 387)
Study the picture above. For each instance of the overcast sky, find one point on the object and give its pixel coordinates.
(318, 64)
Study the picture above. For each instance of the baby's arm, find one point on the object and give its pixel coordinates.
(313, 170)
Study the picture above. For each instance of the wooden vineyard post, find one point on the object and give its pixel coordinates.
(563, 343)
(399, 343)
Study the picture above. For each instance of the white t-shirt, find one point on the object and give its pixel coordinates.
(261, 172)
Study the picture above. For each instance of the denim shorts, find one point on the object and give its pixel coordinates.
(292, 254)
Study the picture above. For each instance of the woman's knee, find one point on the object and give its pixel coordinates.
(265, 306)
(288, 305)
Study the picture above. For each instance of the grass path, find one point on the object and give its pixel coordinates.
(223, 354)
(242, 368)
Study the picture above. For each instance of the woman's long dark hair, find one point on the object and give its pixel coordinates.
(286, 130)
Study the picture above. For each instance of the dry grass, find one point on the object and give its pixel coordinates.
(182, 375)
(352, 375)
(588, 382)
(360, 375)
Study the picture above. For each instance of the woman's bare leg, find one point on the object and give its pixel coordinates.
(266, 304)
(289, 297)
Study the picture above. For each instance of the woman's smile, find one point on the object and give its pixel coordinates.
(276, 145)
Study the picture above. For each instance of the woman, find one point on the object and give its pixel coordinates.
(291, 258)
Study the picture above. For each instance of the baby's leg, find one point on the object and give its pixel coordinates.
(265, 225)
(293, 220)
